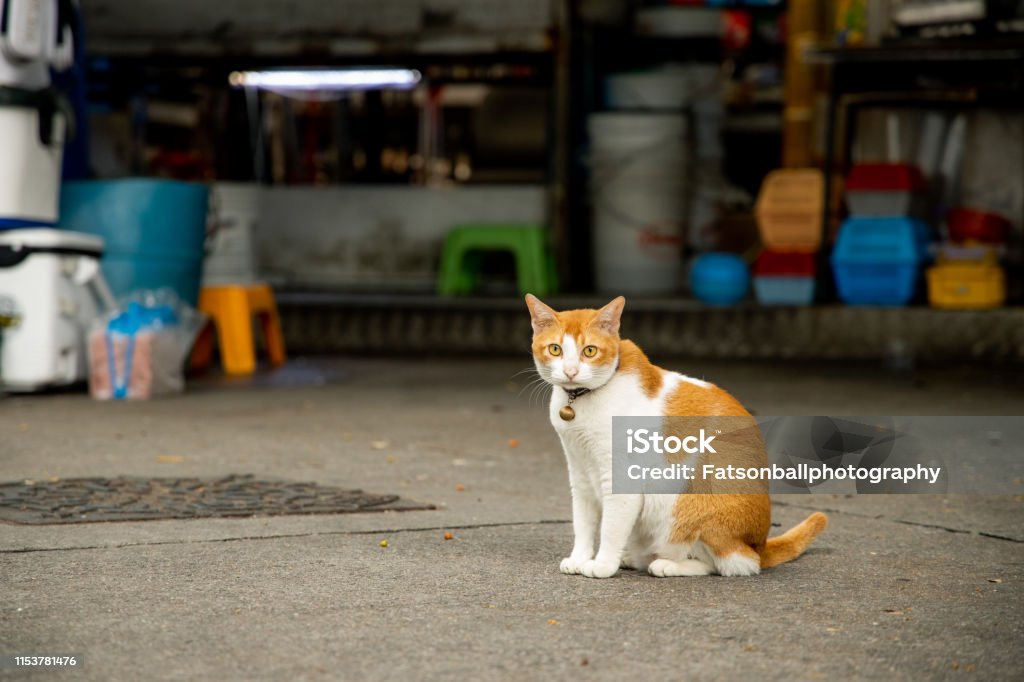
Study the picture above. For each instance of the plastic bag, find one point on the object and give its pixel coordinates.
(139, 350)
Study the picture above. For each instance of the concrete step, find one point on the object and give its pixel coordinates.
(395, 324)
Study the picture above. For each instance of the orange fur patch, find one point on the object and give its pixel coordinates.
(689, 400)
(632, 359)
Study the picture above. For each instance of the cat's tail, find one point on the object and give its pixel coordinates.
(793, 542)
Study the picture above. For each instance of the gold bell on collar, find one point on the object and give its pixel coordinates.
(567, 413)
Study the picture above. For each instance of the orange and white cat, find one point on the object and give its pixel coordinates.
(580, 354)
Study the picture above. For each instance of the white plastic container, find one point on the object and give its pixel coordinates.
(51, 283)
(234, 210)
(639, 190)
(29, 170)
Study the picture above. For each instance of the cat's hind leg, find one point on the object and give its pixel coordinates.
(676, 560)
(739, 559)
(667, 568)
(728, 558)
(730, 555)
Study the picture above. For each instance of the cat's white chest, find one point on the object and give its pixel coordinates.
(587, 439)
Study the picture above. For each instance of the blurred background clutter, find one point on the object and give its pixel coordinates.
(761, 178)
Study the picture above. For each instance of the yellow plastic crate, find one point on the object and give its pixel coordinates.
(789, 209)
(966, 286)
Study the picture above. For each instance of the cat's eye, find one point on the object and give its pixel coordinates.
(555, 349)
(589, 351)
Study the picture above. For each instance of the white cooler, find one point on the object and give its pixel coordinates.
(50, 283)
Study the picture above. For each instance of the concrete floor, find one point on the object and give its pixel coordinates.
(899, 587)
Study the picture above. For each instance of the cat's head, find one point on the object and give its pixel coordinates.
(575, 348)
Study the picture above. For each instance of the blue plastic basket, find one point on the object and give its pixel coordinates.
(154, 231)
(878, 261)
(719, 278)
(784, 290)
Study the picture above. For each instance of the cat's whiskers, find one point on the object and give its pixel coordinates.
(539, 391)
(526, 370)
(529, 385)
(538, 386)
(535, 385)
(531, 382)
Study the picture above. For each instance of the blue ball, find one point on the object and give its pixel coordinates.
(719, 278)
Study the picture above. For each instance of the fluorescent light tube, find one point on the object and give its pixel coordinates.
(326, 79)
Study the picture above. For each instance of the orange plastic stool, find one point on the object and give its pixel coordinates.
(231, 309)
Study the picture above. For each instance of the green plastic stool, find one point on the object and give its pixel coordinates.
(460, 261)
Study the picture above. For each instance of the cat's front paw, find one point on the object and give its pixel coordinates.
(571, 565)
(597, 568)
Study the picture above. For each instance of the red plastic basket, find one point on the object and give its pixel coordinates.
(886, 177)
(971, 225)
(789, 263)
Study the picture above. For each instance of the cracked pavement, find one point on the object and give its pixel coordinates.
(900, 587)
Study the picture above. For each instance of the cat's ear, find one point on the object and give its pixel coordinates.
(609, 316)
(541, 314)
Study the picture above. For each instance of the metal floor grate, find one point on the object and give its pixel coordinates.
(83, 500)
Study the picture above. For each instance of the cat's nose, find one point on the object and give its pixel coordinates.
(571, 373)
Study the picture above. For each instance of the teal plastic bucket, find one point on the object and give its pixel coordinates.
(154, 231)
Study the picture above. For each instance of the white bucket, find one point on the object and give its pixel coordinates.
(234, 210)
(638, 185)
(663, 89)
